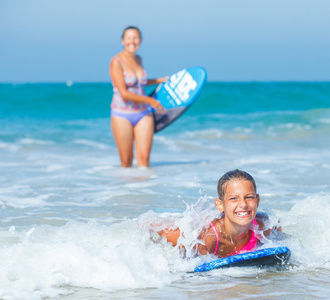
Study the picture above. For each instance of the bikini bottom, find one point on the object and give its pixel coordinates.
(133, 118)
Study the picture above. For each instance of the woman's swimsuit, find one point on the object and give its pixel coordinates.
(130, 110)
(249, 246)
(134, 118)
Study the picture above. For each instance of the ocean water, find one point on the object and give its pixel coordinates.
(74, 225)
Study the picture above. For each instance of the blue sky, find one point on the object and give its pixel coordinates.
(246, 40)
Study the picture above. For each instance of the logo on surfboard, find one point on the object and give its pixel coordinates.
(180, 85)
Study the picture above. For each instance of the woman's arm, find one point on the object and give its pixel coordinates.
(157, 80)
(116, 73)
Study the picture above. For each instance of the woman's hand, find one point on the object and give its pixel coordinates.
(158, 80)
(163, 79)
(157, 106)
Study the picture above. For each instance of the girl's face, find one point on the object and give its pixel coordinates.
(131, 40)
(240, 202)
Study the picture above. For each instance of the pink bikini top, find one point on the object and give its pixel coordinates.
(249, 246)
(134, 85)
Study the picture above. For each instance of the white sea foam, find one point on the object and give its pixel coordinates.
(92, 144)
(325, 120)
(49, 261)
(308, 225)
(9, 146)
(209, 134)
(39, 262)
(168, 142)
(57, 167)
(21, 196)
(27, 141)
(23, 202)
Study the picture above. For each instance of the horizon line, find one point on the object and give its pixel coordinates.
(71, 82)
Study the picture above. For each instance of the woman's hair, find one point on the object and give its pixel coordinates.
(233, 175)
(131, 27)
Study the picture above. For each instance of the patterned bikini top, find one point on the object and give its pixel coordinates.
(134, 85)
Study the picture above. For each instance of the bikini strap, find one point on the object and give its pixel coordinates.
(216, 234)
(250, 245)
(120, 61)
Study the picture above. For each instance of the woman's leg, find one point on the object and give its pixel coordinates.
(143, 134)
(122, 131)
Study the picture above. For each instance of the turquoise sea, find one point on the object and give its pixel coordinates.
(74, 225)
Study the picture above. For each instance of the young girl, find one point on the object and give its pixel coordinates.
(236, 231)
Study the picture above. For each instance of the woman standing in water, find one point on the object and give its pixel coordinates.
(131, 116)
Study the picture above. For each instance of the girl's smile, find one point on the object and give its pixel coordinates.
(243, 214)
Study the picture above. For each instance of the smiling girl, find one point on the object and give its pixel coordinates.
(236, 231)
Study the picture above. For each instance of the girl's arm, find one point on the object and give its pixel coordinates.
(172, 235)
(207, 244)
(262, 219)
(116, 73)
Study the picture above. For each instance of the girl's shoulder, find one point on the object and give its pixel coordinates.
(265, 225)
(211, 229)
(261, 218)
(217, 222)
(209, 236)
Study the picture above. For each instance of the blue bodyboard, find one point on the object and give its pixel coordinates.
(177, 94)
(260, 258)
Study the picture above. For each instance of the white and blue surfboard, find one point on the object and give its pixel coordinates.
(260, 258)
(177, 94)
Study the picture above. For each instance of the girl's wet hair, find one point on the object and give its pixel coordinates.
(233, 175)
(131, 27)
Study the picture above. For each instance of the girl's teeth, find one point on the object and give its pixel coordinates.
(242, 213)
